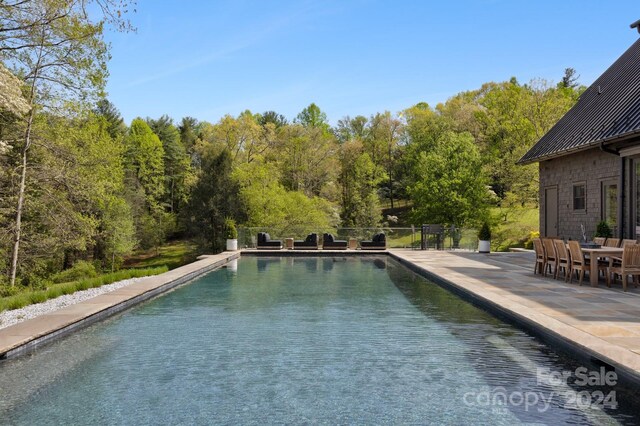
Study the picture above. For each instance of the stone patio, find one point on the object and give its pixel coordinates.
(603, 322)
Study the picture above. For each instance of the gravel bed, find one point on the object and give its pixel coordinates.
(15, 316)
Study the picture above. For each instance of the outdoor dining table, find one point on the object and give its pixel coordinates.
(594, 254)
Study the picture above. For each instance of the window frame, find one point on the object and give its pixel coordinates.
(583, 184)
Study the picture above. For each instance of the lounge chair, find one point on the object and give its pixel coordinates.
(265, 242)
(378, 242)
(329, 243)
(309, 243)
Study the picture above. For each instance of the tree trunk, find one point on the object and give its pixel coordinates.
(21, 191)
(23, 168)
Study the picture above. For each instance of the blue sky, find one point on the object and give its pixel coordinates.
(206, 59)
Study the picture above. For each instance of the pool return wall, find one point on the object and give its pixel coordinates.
(28, 335)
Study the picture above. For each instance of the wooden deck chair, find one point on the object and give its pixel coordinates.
(539, 266)
(626, 242)
(550, 256)
(562, 259)
(578, 262)
(629, 265)
(612, 242)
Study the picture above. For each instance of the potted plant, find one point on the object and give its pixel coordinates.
(484, 237)
(231, 234)
(603, 230)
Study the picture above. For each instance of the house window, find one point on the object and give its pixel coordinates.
(579, 196)
(610, 202)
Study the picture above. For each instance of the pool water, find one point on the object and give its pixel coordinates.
(301, 340)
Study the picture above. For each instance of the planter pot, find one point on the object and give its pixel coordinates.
(484, 246)
(232, 245)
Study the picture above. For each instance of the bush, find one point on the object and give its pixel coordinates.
(603, 230)
(81, 270)
(7, 291)
(18, 297)
(528, 244)
(485, 232)
(230, 229)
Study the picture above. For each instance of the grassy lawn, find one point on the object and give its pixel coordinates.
(513, 227)
(27, 296)
(141, 264)
(171, 255)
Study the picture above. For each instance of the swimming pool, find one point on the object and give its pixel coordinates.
(301, 339)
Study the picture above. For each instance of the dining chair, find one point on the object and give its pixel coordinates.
(599, 240)
(562, 259)
(539, 266)
(578, 262)
(612, 242)
(629, 266)
(627, 241)
(550, 256)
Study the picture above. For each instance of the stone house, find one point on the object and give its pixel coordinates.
(589, 161)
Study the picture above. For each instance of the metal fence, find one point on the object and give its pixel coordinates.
(410, 238)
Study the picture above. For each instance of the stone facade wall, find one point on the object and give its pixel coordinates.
(590, 167)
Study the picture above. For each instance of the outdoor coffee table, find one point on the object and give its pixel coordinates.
(594, 254)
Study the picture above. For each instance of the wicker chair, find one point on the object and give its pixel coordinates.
(629, 265)
(563, 260)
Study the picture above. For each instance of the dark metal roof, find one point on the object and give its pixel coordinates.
(609, 110)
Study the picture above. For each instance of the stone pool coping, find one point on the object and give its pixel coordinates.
(596, 325)
(28, 335)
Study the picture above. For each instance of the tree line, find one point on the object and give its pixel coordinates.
(77, 183)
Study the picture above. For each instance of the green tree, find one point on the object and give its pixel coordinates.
(449, 187)
(178, 174)
(144, 162)
(268, 204)
(313, 117)
(188, 133)
(59, 52)
(359, 179)
(272, 117)
(214, 198)
(307, 159)
(382, 142)
(114, 122)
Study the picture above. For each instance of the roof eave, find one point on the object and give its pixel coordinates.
(606, 141)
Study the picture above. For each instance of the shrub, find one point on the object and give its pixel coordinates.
(528, 244)
(7, 291)
(230, 229)
(81, 270)
(603, 230)
(485, 232)
(18, 297)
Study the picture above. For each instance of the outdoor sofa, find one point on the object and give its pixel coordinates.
(309, 243)
(328, 242)
(265, 242)
(378, 242)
